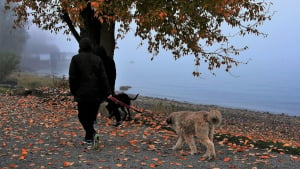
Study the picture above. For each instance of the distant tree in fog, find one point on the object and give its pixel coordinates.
(194, 27)
(12, 42)
(8, 63)
(12, 38)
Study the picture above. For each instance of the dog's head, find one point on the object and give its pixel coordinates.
(169, 120)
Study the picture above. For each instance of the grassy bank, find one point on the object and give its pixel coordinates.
(35, 81)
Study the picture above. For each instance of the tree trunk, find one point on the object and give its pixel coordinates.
(107, 38)
(102, 34)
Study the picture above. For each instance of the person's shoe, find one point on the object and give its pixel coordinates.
(88, 141)
(96, 141)
(118, 124)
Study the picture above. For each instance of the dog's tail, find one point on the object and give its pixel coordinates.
(134, 97)
(214, 117)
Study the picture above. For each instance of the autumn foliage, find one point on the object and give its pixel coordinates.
(181, 27)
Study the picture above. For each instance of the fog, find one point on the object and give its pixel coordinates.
(278, 52)
(271, 74)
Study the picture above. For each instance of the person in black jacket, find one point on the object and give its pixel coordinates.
(89, 85)
(110, 68)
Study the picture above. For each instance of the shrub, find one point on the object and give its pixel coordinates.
(8, 63)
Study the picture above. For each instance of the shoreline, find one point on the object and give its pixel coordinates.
(240, 122)
(150, 98)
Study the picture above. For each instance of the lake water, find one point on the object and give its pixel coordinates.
(273, 89)
(252, 86)
(258, 89)
(267, 84)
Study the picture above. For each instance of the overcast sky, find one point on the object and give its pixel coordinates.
(280, 49)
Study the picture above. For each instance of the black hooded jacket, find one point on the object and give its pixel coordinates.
(87, 77)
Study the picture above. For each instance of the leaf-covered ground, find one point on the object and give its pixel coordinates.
(44, 132)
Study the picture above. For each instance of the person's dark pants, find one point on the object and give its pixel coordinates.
(87, 114)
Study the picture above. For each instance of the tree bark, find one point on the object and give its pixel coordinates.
(107, 38)
(102, 34)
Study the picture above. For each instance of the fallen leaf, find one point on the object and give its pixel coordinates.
(264, 157)
(152, 165)
(151, 146)
(226, 159)
(118, 165)
(68, 164)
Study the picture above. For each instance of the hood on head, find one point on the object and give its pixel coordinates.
(85, 44)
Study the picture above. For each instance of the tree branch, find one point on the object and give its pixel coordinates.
(68, 20)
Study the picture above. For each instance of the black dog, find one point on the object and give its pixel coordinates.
(123, 97)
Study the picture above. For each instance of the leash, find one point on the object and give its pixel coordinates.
(140, 110)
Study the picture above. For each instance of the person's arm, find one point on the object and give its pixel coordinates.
(104, 79)
(73, 77)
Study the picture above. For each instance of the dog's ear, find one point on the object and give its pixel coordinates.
(205, 116)
(169, 120)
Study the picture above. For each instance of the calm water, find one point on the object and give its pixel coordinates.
(273, 87)
(246, 87)
(255, 90)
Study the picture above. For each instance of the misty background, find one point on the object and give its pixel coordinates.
(270, 82)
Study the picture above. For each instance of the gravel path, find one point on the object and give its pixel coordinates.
(45, 133)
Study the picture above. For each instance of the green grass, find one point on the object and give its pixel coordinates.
(274, 147)
(34, 81)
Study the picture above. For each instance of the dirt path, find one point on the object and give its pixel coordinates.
(45, 133)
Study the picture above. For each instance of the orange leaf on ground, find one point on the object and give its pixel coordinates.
(30, 121)
(264, 157)
(133, 142)
(158, 127)
(226, 159)
(152, 165)
(118, 165)
(155, 159)
(178, 164)
(151, 146)
(68, 164)
(13, 166)
(24, 151)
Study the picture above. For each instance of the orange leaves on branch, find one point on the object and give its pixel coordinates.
(174, 31)
(96, 4)
(162, 15)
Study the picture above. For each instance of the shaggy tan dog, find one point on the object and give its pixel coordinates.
(201, 124)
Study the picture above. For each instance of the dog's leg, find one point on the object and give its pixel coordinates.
(210, 148)
(178, 143)
(191, 142)
(211, 132)
(125, 113)
(129, 114)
